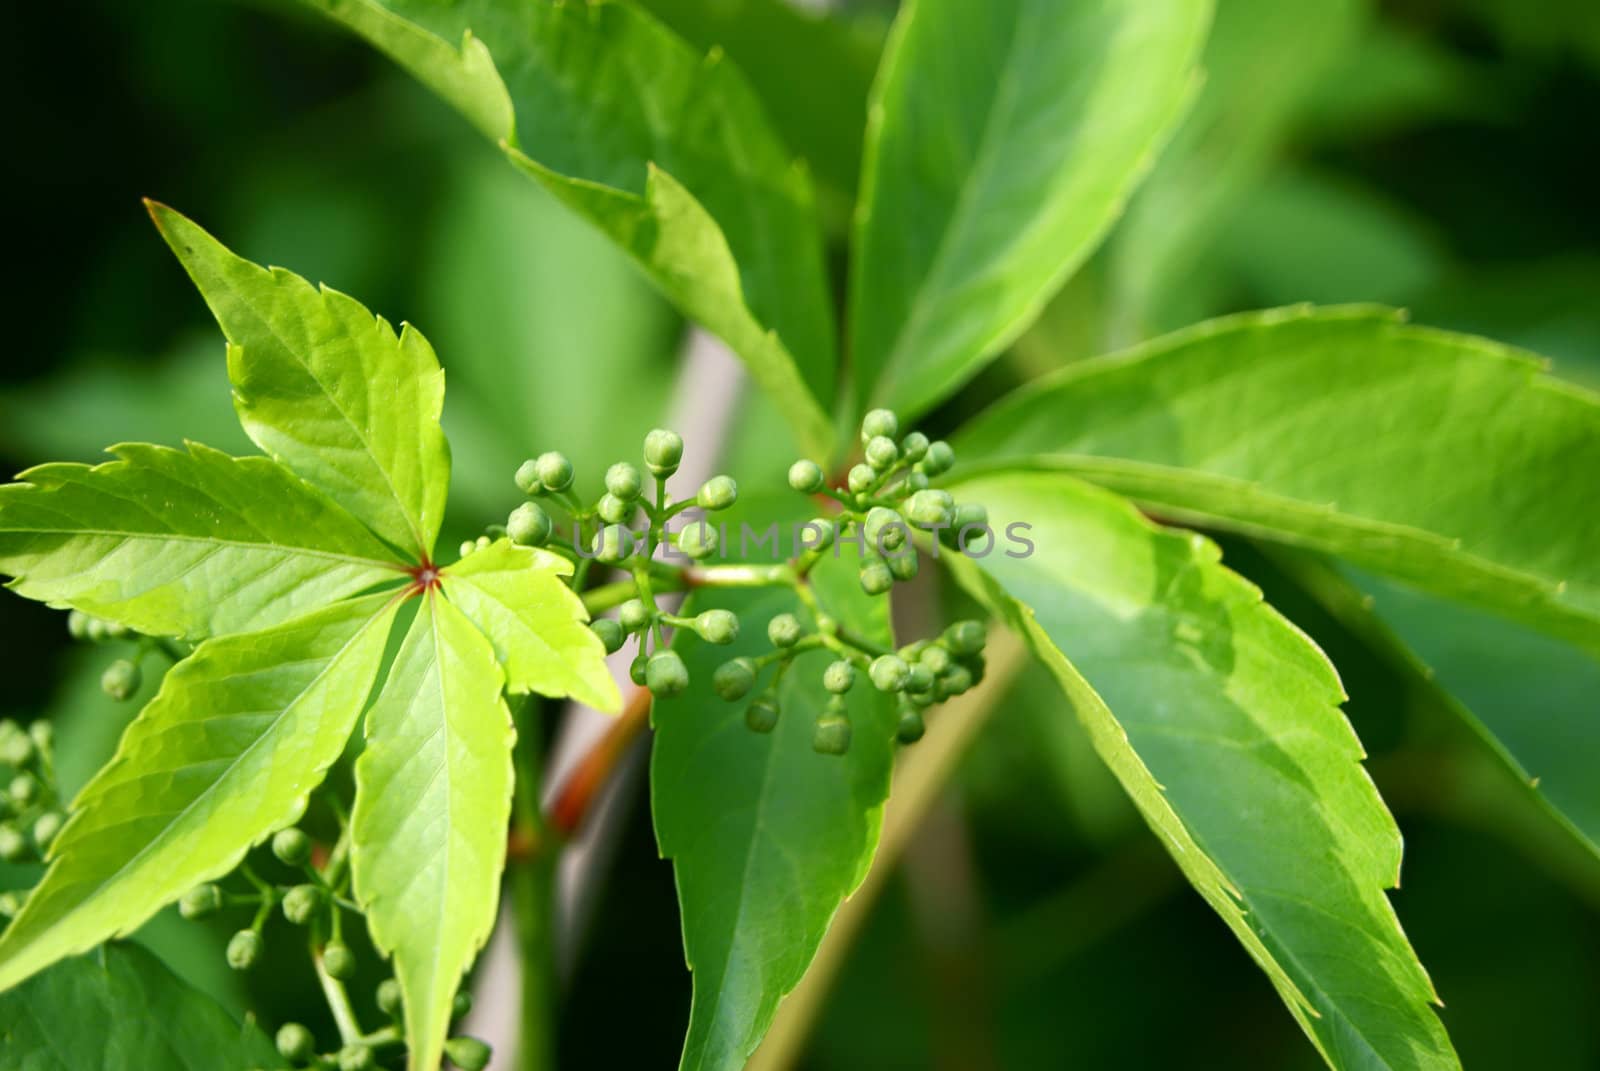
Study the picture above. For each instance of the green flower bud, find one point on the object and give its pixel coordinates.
(467, 547)
(889, 673)
(929, 508)
(13, 845)
(10, 904)
(291, 846)
(338, 960)
(483, 542)
(244, 948)
(99, 630)
(882, 453)
(784, 630)
(832, 735)
(969, 515)
(295, 1043)
(733, 680)
(914, 482)
(720, 627)
(121, 679)
(861, 477)
(699, 540)
(936, 658)
(883, 530)
(762, 715)
(666, 675)
(965, 638)
(116, 630)
(719, 492)
(953, 681)
(806, 477)
(301, 903)
(611, 633)
(911, 727)
(825, 531)
(16, 747)
(460, 1004)
(42, 733)
(529, 526)
(24, 788)
(663, 450)
(200, 901)
(636, 669)
(919, 679)
(612, 544)
(469, 1054)
(634, 615)
(555, 471)
(879, 422)
(914, 446)
(839, 677)
(528, 478)
(389, 997)
(45, 828)
(876, 577)
(78, 625)
(939, 458)
(614, 510)
(624, 482)
(356, 1057)
(976, 665)
(903, 566)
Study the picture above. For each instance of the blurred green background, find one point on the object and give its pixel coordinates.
(1436, 154)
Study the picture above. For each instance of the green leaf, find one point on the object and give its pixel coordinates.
(433, 798)
(1529, 698)
(606, 104)
(766, 836)
(327, 388)
(812, 70)
(516, 597)
(227, 752)
(1003, 140)
(191, 543)
(120, 1009)
(1222, 722)
(1444, 460)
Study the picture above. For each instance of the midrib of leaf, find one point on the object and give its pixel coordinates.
(233, 765)
(366, 442)
(164, 537)
(982, 161)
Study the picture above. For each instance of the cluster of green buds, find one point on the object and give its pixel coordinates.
(603, 529)
(122, 678)
(315, 897)
(30, 800)
(886, 498)
(920, 674)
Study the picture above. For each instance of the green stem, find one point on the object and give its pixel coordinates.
(344, 1016)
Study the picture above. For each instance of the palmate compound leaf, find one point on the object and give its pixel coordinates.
(120, 1009)
(185, 543)
(766, 836)
(1003, 139)
(516, 597)
(665, 150)
(327, 388)
(433, 798)
(240, 733)
(1222, 722)
(1450, 462)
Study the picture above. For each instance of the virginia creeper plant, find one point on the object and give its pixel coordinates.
(306, 621)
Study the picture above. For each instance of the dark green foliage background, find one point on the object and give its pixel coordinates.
(1467, 196)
